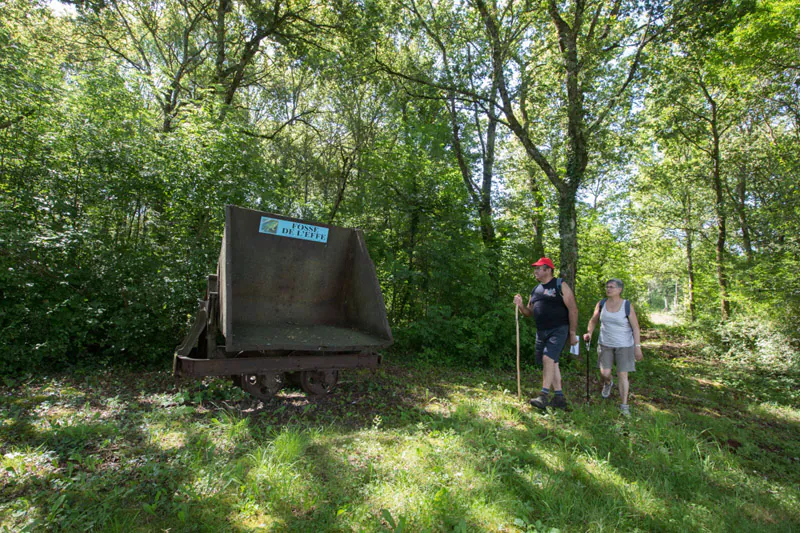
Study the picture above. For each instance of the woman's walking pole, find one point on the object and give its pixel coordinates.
(516, 317)
(588, 345)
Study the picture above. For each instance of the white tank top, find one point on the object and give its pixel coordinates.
(615, 330)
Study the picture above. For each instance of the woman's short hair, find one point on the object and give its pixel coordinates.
(618, 283)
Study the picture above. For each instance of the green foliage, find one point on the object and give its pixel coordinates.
(758, 343)
(486, 340)
(121, 141)
(760, 334)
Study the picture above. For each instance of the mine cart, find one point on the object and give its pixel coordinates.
(291, 301)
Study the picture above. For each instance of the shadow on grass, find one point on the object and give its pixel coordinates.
(665, 463)
(72, 466)
(442, 448)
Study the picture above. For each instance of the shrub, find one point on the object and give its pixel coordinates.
(487, 340)
(749, 339)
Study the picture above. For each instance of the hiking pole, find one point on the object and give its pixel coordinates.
(588, 349)
(516, 317)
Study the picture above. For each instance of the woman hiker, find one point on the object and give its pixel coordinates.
(619, 341)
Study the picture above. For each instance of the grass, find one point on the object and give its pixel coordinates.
(711, 447)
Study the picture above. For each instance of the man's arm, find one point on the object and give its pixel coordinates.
(526, 310)
(569, 300)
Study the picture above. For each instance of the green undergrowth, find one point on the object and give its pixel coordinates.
(709, 448)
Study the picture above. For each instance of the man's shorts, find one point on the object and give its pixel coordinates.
(623, 357)
(550, 342)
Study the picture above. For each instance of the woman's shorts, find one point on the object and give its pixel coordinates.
(623, 357)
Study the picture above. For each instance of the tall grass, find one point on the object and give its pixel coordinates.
(414, 449)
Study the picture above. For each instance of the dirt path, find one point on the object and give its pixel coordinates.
(659, 318)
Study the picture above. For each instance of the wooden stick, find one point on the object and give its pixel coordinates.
(516, 316)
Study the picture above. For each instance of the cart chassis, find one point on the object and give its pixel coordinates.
(216, 361)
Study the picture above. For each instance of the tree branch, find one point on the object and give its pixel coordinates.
(7, 123)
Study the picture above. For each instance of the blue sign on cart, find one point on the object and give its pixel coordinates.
(295, 230)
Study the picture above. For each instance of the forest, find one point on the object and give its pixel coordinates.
(652, 141)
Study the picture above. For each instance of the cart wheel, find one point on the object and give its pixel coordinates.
(262, 386)
(293, 379)
(318, 382)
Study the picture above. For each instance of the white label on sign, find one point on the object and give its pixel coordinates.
(295, 230)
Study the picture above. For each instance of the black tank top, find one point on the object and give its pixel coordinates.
(549, 310)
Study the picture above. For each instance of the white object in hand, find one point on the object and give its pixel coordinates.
(575, 348)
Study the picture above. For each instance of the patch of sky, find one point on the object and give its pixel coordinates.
(60, 9)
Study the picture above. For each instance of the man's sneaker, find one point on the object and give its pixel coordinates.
(559, 402)
(625, 410)
(540, 402)
(607, 389)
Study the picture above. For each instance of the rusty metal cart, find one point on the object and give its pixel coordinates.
(291, 301)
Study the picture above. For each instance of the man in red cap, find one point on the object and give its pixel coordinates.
(552, 304)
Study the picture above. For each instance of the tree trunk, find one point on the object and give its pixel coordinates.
(568, 230)
(577, 151)
(538, 216)
(690, 271)
(719, 209)
(223, 6)
(481, 197)
(675, 297)
(412, 243)
(741, 200)
(577, 157)
(485, 208)
(347, 167)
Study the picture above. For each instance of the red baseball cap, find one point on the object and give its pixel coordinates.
(544, 261)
